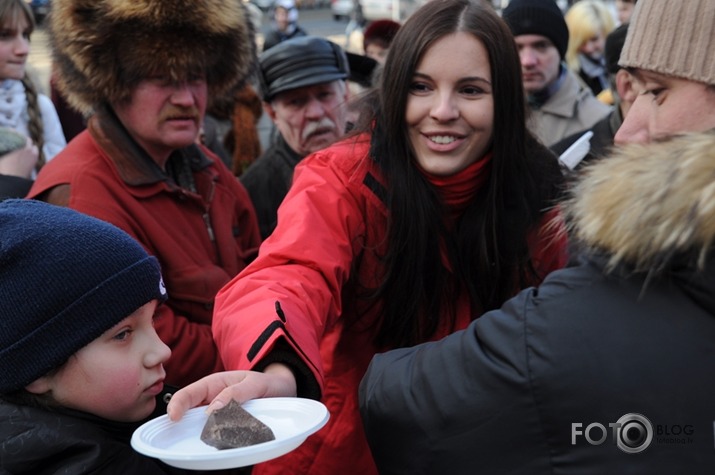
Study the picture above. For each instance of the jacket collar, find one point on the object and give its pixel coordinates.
(134, 165)
(285, 152)
(563, 101)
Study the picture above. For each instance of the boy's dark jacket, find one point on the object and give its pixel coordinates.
(40, 441)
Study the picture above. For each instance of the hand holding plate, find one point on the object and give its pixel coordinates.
(218, 389)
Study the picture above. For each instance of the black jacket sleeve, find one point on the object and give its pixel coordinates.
(450, 406)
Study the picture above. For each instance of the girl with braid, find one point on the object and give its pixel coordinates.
(24, 113)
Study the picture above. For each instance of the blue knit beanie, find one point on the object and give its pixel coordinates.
(65, 278)
(538, 17)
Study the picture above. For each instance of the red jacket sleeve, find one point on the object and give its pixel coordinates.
(301, 267)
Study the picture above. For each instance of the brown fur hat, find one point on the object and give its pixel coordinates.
(103, 48)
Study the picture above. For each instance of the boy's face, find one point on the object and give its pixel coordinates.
(116, 376)
(666, 105)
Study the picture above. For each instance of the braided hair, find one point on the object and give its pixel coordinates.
(12, 10)
(34, 126)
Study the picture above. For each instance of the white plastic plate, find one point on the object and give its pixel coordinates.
(179, 444)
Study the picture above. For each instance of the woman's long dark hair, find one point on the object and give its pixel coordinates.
(487, 251)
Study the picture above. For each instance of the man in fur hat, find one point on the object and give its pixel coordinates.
(143, 70)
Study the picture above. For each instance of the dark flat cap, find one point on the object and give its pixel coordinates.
(300, 62)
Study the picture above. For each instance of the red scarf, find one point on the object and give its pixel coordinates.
(458, 190)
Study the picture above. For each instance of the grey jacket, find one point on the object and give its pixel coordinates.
(571, 109)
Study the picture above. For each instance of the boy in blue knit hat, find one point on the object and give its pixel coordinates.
(80, 362)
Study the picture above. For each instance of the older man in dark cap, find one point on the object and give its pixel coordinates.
(304, 91)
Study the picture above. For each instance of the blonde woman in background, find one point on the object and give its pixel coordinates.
(22, 108)
(589, 22)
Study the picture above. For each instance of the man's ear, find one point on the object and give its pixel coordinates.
(348, 92)
(625, 85)
(39, 386)
(270, 112)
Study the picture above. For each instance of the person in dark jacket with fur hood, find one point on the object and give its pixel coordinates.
(604, 368)
(607, 366)
(144, 71)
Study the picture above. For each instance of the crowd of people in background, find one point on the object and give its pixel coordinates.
(409, 247)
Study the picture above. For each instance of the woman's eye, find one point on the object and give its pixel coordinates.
(472, 90)
(419, 87)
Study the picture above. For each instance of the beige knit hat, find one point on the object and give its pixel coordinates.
(673, 37)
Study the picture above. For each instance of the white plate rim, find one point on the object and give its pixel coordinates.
(233, 458)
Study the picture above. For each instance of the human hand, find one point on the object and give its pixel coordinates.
(20, 162)
(218, 389)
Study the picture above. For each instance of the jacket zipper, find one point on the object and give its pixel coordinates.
(207, 208)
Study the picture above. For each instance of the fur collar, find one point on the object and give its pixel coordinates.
(646, 204)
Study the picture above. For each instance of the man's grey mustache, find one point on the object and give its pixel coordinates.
(313, 127)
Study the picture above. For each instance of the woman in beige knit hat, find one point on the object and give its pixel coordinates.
(669, 49)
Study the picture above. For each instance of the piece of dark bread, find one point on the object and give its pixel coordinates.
(232, 426)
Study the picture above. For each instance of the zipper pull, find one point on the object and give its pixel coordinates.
(209, 228)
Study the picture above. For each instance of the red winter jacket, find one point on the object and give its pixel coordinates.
(331, 229)
(111, 179)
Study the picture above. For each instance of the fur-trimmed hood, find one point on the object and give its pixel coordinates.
(647, 203)
(102, 48)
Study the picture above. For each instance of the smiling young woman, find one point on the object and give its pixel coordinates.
(437, 209)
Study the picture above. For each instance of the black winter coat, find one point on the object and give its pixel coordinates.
(38, 441)
(268, 179)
